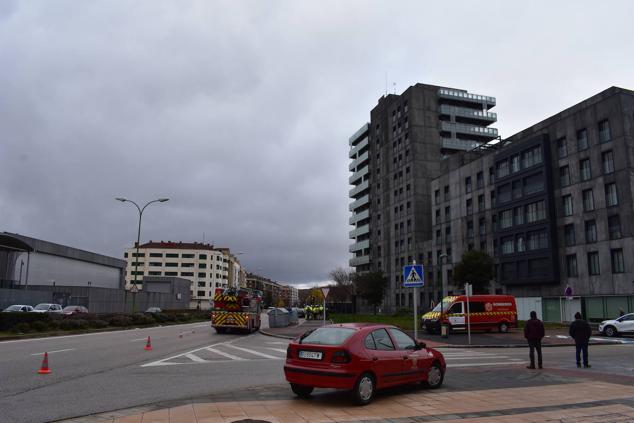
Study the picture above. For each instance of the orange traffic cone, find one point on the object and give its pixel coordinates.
(148, 345)
(44, 370)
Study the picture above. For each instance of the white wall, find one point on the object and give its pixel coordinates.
(527, 304)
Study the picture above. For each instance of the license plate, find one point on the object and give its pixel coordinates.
(310, 355)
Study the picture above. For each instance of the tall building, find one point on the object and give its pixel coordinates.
(206, 267)
(394, 159)
(550, 203)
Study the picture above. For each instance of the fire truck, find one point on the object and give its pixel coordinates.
(236, 310)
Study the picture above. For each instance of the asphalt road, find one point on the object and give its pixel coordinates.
(109, 371)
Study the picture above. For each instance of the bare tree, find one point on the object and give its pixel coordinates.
(344, 278)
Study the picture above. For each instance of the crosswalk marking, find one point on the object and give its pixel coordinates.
(195, 358)
(224, 354)
(276, 349)
(501, 363)
(254, 352)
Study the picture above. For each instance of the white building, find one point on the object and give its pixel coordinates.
(205, 266)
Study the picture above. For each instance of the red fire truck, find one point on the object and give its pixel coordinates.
(236, 310)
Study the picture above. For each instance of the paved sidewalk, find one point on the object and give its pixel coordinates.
(574, 402)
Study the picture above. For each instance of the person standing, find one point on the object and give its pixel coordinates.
(581, 331)
(534, 332)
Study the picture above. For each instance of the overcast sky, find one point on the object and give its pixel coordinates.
(240, 111)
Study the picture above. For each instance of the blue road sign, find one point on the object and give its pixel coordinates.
(413, 276)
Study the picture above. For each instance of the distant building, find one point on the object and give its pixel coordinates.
(550, 203)
(393, 161)
(273, 291)
(29, 261)
(204, 265)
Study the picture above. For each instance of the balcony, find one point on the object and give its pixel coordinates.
(360, 202)
(359, 261)
(359, 246)
(358, 134)
(359, 216)
(472, 114)
(354, 150)
(358, 175)
(359, 161)
(361, 230)
(359, 188)
(456, 144)
(471, 130)
(464, 96)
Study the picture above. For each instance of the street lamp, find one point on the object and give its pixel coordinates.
(138, 238)
(444, 292)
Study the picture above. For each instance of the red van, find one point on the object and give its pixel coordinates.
(486, 312)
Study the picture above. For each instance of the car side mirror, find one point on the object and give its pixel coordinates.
(420, 345)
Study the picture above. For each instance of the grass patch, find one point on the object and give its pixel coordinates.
(400, 320)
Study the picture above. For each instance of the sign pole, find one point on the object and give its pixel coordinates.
(415, 314)
(467, 288)
(325, 291)
(414, 277)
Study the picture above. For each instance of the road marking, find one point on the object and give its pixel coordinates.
(477, 358)
(253, 352)
(276, 343)
(224, 354)
(502, 363)
(203, 326)
(195, 358)
(138, 339)
(277, 349)
(56, 351)
(162, 362)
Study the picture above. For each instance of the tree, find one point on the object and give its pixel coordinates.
(344, 278)
(371, 287)
(475, 267)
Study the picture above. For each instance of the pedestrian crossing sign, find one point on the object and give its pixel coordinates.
(413, 276)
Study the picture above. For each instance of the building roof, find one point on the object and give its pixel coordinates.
(178, 245)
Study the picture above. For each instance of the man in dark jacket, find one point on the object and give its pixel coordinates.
(534, 332)
(581, 331)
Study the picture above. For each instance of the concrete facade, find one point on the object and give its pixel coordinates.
(586, 171)
(394, 159)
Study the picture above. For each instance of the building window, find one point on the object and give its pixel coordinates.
(564, 176)
(200, 294)
(187, 265)
(171, 264)
(470, 233)
(482, 226)
(517, 189)
(171, 273)
(481, 202)
(437, 196)
(447, 213)
(604, 131)
(569, 235)
(201, 284)
(188, 255)
(156, 264)
(202, 256)
(571, 266)
(125, 255)
(614, 226)
(506, 219)
(611, 196)
(537, 240)
(532, 157)
(437, 216)
(585, 172)
(591, 231)
(446, 192)
(202, 265)
(448, 231)
(582, 139)
(156, 254)
(533, 184)
(508, 245)
(518, 215)
(480, 180)
(154, 273)
(493, 198)
(504, 193)
(593, 264)
(535, 211)
(171, 255)
(607, 158)
(567, 204)
(588, 200)
(491, 175)
(467, 184)
(515, 163)
(190, 274)
(469, 206)
(503, 168)
(521, 244)
(562, 148)
(618, 265)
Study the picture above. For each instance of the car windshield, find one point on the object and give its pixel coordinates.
(13, 308)
(70, 308)
(42, 307)
(445, 305)
(328, 336)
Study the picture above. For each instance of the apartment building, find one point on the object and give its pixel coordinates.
(550, 203)
(394, 159)
(206, 267)
(273, 291)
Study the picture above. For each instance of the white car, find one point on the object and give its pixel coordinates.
(47, 308)
(624, 324)
(18, 307)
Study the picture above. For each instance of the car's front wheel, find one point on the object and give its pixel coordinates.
(610, 331)
(504, 327)
(301, 390)
(364, 389)
(435, 377)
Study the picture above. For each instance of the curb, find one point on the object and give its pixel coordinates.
(522, 345)
(275, 335)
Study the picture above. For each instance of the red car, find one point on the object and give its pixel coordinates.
(69, 310)
(360, 357)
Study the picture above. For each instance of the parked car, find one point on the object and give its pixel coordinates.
(153, 310)
(47, 308)
(18, 308)
(73, 309)
(624, 324)
(300, 312)
(361, 358)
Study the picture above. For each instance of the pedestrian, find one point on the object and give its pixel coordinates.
(621, 312)
(581, 331)
(534, 332)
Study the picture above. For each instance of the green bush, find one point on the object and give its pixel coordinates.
(54, 324)
(73, 324)
(142, 319)
(39, 326)
(9, 320)
(121, 320)
(98, 324)
(21, 328)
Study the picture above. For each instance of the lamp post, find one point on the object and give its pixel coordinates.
(443, 295)
(138, 239)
